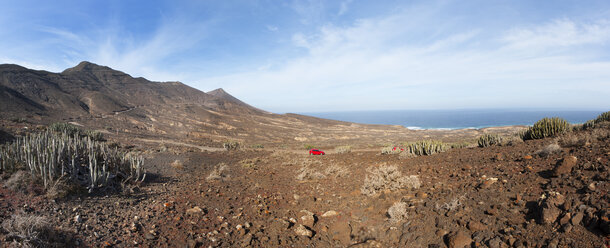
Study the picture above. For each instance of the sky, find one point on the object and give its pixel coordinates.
(318, 56)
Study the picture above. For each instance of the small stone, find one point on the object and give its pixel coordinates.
(78, 219)
(149, 236)
(549, 207)
(488, 182)
(567, 228)
(553, 243)
(303, 231)
(564, 166)
(194, 210)
(577, 218)
(565, 219)
(591, 186)
(421, 195)
(330, 213)
(476, 226)
(308, 218)
(191, 243)
(247, 240)
(459, 239)
(499, 157)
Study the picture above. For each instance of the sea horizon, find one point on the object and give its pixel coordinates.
(455, 119)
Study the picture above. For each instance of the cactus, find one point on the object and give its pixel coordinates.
(547, 127)
(489, 139)
(53, 155)
(603, 117)
(426, 147)
(231, 145)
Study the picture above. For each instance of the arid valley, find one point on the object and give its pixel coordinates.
(217, 172)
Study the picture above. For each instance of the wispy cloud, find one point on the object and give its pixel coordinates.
(376, 63)
(344, 7)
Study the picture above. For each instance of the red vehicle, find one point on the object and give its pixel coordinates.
(316, 152)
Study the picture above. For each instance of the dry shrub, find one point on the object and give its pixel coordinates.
(336, 171)
(398, 212)
(20, 181)
(343, 149)
(308, 173)
(387, 177)
(219, 173)
(451, 205)
(552, 148)
(177, 164)
(389, 150)
(251, 163)
(574, 140)
(28, 230)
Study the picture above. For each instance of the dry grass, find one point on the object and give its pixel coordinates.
(451, 205)
(550, 149)
(20, 181)
(387, 177)
(219, 173)
(343, 149)
(336, 171)
(177, 164)
(28, 230)
(398, 212)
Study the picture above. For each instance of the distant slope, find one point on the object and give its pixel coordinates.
(95, 90)
(122, 106)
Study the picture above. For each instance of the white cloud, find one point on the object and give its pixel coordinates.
(272, 28)
(376, 64)
(559, 33)
(344, 7)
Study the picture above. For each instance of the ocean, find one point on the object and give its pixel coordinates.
(454, 119)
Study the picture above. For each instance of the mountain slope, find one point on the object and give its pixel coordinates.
(99, 97)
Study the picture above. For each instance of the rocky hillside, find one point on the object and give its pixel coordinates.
(140, 110)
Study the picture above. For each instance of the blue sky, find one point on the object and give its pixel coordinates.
(313, 56)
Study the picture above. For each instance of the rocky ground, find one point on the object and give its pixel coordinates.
(542, 193)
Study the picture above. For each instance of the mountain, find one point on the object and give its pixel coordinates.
(99, 97)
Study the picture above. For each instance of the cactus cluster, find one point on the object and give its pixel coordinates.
(486, 140)
(547, 127)
(72, 130)
(603, 117)
(231, 145)
(426, 147)
(53, 156)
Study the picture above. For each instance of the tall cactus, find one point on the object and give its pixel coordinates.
(52, 155)
(547, 127)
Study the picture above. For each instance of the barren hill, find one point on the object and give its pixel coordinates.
(99, 97)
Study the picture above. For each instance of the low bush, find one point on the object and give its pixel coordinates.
(387, 177)
(28, 231)
(547, 127)
(486, 140)
(231, 145)
(550, 149)
(308, 146)
(343, 149)
(218, 173)
(398, 212)
(390, 150)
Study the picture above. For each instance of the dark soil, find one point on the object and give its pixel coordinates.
(497, 196)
